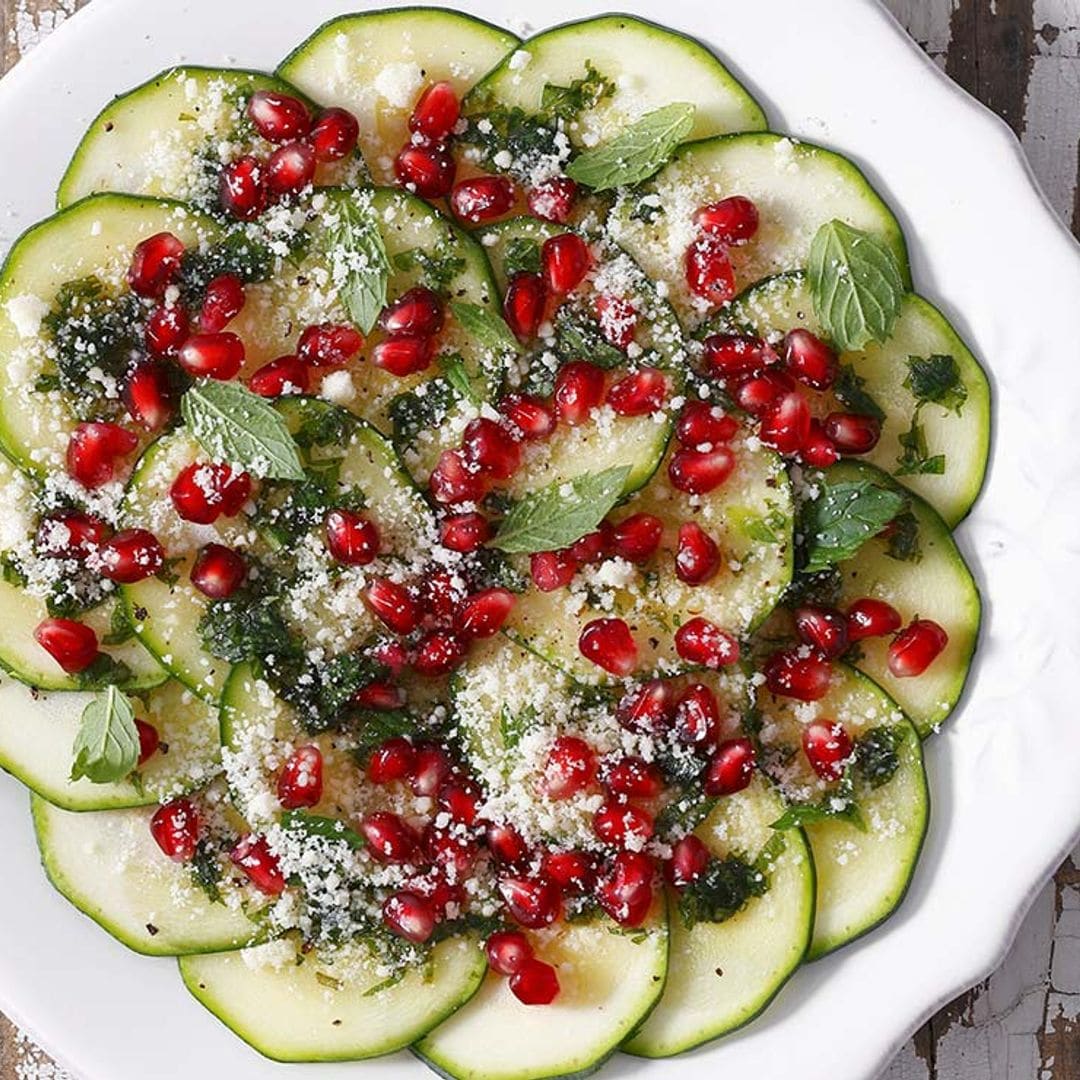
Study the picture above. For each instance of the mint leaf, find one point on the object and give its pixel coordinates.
(326, 828)
(237, 427)
(903, 538)
(557, 515)
(849, 390)
(521, 256)
(936, 379)
(856, 285)
(578, 337)
(915, 458)
(513, 726)
(107, 745)
(488, 329)
(636, 152)
(359, 264)
(843, 518)
(457, 375)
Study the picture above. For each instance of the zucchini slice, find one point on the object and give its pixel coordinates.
(376, 64)
(319, 1006)
(783, 302)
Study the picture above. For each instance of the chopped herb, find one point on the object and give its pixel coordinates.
(578, 337)
(903, 538)
(530, 141)
(514, 726)
(568, 102)
(376, 727)
(521, 256)
(876, 754)
(206, 870)
(436, 272)
(850, 391)
(936, 379)
(105, 671)
(325, 828)
(120, 628)
(684, 814)
(413, 412)
(723, 890)
(457, 375)
(237, 254)
(837, 804)
(915, 458)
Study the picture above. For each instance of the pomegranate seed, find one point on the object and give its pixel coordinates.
(436, 112)
(626, 893)
(260, 865)
(728, 356)
(442, 592)
(461, 800)
(278, 117)
(523, 305)
(484, 613)
(689, 860)
(428, 171)
(639, 394)
(823, 628)
(417, 311)
(551, 570)
(827, 747)
(285, 375)
(464, 532)
(579, 388)
(507, 950)
(334, 134)
(852, 433)
(553, 200)
(699, 641)
(452, 853)
(491, 448)
(392, 760)
(609, 644)
(148, 395)
(241, 188)
(175, 829)
(757, 394)
(438, 653)
(698, 558)
(212, 356)
(622, 824)
(593, 547)
(300, 782)
(818, 450)
(872, 618)
(167, 328)
(700, 471)
(203, 492)
(391, 654)
(453, 480)
(382, 696)
(93, 450)
(224, 300)
(529, 415)
(149, 741)
(390, 839)
(570, 767)
(572, 871)
(483, 198)
(130, 556)
(647, 709)
(916, 647)
(329, 344)
(154, 264)
(410, 916)
(69, 535)
(800, 673)
(533, 902)
(709, 273)
(697, 716)
(637, 537)
(786, 424)
(404, 354)
(351, 538)
(506, 844)
(618, 320)
(733, 220)
(701, 424)
(809, 359)
(71, 644)
(566, 260)
(218, 571)
(393, 604)
(535, 983)
(635, 778)
(731, 768)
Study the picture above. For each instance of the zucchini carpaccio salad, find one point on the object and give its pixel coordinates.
(476, 542)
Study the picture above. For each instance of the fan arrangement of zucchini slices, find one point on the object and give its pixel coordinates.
(475, 543)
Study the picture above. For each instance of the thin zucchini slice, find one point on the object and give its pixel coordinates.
(329, 1006)
(376, 64)
(798, 187)
(782, 303)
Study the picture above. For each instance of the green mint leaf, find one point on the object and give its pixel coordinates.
(843, 518)
(557, 515)
(487, 328)
(237, 427)
(521, 256)
(568, 102)
(915, 458)
(936, 379)
(457, 375)
(359, 264)
(637, 152)
(856, 285)
(513, 726)
(849, 389)
(437, 272)
(326, 828)
(578, 337)
(107, 744)
(903, 539)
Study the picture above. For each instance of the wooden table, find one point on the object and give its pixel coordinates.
(1022, 58)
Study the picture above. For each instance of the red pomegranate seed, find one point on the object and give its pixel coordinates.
(729, 356)
(484, 613)
(786, 424)
(618, 320)
(382, 696)
(637, 537)
(553, 200)
(801, 673)
(461, 800)
(809, 359)
(428, 171)
(278, 117)
(391, 654)
(535, 983)
(203, 492)
(483, 198)
(175, 829)
(699, 641)
(635, 778)
(491, 448)
(431, 769)
(626, 893)
(69, 535)
(523, 305)
(570, 767)
(827, 747)
(566, 260)
(329, 344)
(212, 356)
(609, 644)
(167, 328)
(572, 871)
(872, 618)
(218, 571)
(300, 782)
(916, 647)
(758, 393)
(700, 471)
(731, 768)
(224, 300)
(442, 591)
(507, 950)
(689, 860)
(130, 556)
(285, 375)
(641, 393)
(242, 188)
(579, 388)
(438, 653)
(394, 605)
(404, 354)
(622, 824)
(697, 716)
(733, 220)
(818, 450)
(351, 538)
(416, 311)
(436, 112)
(464, 532)
(334, 134)
(533, 902)
(551, 570)
(702, 423)
(254, 857)
(390, 839)
(506, 844)
(529, 415)
(148, 395)
(94, 449)
(697, 558)
(71, 644)
(149, 741)
(154, 264)
(594, 546)
(824, 628)
(392, 760)
(410, 916)
(453, 480)
(852, 433)
(455, 855)
(709, 273)
(646, 709)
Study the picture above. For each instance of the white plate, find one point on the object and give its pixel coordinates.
(1005, 775)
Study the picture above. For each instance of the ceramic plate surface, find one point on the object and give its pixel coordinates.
(1003, 775)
